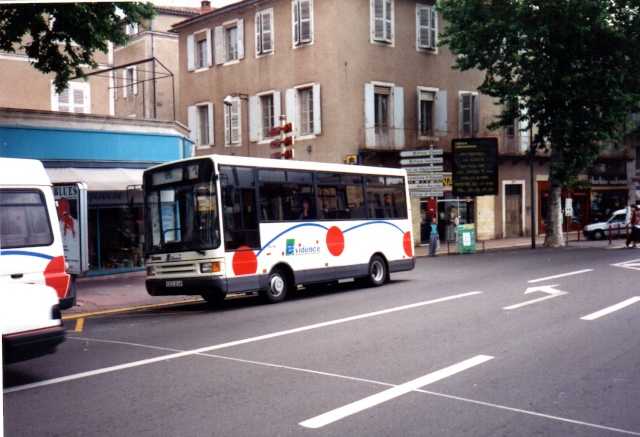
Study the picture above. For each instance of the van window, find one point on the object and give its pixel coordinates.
(24, 221)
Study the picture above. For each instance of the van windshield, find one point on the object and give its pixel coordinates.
(24, 221)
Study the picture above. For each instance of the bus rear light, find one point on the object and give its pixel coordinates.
(151, 271)
(212, 267)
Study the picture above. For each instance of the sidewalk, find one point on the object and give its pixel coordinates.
(104, 294)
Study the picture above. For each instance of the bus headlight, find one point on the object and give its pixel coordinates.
(151, 271)
(212, 267)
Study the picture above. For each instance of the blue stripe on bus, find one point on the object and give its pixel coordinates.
(326, 229)
(289, 230)
(25, 253)
(374, 223)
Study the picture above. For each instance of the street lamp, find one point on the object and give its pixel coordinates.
(228, 102)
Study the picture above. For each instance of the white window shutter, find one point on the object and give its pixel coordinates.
(317, 115)
(267, 32)
(441, 112)
(369, 116)
(254, 119)
(125, 83)
(219, 44)
(258, 33)
(306, 21)
(277, 107)
(208, 47)
(476, 113)
(211, 128)
(191, 62)
(423, 31)
(398, 115)
(291, 108)
(377, 25)
(295, 13)
(192, 123)
(135, 81)
(240, 39)
(238, 130)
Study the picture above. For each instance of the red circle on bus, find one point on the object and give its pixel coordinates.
(407, 244)
(244, 261)
(335, 241)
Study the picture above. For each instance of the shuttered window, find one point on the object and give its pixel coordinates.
(302, 11)
(264, 32)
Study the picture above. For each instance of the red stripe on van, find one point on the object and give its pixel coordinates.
(56, 277)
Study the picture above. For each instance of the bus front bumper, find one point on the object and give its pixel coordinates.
(187, 286)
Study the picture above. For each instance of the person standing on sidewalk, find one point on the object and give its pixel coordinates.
(633, 234)
(433, 236)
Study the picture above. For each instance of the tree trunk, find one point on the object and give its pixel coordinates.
(553, 237)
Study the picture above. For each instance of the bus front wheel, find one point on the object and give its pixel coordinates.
(278, 286)
(377, 274)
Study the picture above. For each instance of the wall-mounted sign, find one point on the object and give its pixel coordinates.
(475, 167)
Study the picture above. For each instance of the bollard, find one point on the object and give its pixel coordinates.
(610, 234)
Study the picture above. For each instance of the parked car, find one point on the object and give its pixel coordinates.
(30, 320)
(617, 223)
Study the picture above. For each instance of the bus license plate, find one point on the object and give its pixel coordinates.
(174, 283)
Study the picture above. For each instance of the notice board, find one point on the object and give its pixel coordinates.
(475, 167)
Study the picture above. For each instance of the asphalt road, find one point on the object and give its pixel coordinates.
(514, 343)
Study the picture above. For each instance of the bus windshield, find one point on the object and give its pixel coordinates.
(182, 216)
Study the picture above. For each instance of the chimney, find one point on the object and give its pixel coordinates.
(205, 6)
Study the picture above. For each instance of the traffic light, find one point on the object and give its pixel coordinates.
(283, 141)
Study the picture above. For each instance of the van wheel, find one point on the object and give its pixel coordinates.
(598, 235)
(377, 273)
(278, 286)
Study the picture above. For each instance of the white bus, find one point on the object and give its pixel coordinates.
(224, 224)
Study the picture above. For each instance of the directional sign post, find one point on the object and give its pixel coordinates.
(425, 178)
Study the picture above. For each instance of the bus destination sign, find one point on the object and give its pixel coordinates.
(475, 167)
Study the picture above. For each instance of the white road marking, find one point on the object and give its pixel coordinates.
(533, 413)
(611, 309)
(634, 264)
(560, 276)
(371, 401)
(551, 293)
(231, 344)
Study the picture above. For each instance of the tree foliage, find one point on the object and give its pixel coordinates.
(571, 68)
(61, 38)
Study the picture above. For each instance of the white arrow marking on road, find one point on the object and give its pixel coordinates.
(552, 292)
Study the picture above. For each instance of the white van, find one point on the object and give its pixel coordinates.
(617, 223)
(31, 258)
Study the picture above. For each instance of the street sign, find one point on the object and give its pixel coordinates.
(424, 169)
(422, 186)
(426, 193)
(430, 152)
(418, 161)
(424, 177)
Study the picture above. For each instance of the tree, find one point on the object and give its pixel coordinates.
(570, 68)
(61, 38)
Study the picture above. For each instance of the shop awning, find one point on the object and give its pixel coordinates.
(98, 179)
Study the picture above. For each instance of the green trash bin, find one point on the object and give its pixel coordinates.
(467, 238)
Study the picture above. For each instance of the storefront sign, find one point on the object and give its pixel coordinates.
(71, 203)
(475, 167)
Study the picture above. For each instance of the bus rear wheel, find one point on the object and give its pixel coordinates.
(278, 285)
(377, 273)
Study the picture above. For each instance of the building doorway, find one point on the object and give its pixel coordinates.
(513, 210)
